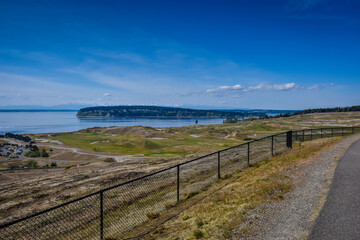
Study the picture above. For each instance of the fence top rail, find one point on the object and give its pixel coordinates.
(151, 174)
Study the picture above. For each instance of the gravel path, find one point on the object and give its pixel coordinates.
(340, 216)
(293, 217)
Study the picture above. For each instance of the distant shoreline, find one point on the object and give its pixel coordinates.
(152, 117)
(160, 111)
(38, 110)
(31, 122)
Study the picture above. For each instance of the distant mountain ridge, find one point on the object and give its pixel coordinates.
(156, 111)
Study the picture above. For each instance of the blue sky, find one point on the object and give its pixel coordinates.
(281, 54)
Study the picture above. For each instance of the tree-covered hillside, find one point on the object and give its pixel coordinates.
(336, 109)
(155, 111)
(320, 110)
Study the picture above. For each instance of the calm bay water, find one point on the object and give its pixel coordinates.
(66, 121)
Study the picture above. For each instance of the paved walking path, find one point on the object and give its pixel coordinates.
(340, 217)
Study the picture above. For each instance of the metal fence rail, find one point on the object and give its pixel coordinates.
(118, 211)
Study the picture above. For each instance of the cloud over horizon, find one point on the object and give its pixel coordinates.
(239, 88)
(265, 87)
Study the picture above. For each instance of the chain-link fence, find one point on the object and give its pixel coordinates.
(120, 211)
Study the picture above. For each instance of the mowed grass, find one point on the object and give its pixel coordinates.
(197, 139)
(137, 144)
(225, 205)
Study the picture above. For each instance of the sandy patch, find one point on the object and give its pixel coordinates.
(44, 140)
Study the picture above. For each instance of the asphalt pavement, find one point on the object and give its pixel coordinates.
(340, 217)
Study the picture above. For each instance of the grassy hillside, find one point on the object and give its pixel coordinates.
(195, 139)
(226, 204)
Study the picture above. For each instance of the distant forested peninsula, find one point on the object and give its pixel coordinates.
(322, 110)
(155, 111)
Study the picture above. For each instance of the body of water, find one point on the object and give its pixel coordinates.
(66, 121)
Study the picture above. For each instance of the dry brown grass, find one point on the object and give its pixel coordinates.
(28, 192)
(225, 209)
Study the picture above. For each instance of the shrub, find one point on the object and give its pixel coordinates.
(53, 164)
(199, 222)
(34, 148)
(13, 166)
(191, 194)
(33, 154)
(110, 159)
(229, 175)
(31, 164)
(249, 139)
(152, 215)
(198, 234)
(186, 217)
(43, 153)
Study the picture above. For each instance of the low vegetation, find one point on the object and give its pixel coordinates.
(36, 152)
(228, 202)
(166, 146)
(182, 141)
(32, 164)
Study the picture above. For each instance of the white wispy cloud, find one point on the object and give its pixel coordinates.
(107, 94)
(18, 89)
(320, 86)
(239, 88)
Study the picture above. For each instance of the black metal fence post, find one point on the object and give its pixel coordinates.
(101, 215)
(219, 176)
(272, 145)
(303, 135)
(178, 184)
(248, 156)
(289, 139)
